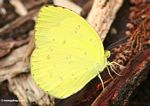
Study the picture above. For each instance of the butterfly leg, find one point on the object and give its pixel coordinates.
(109, 72)
(99, 76)
(112, 67)
(121, 66)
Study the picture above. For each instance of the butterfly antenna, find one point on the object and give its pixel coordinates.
(101, 80)
(109, 72)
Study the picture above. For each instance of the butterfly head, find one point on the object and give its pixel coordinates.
(107, 54)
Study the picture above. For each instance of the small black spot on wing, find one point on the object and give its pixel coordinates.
(64, 42)
(77, 28)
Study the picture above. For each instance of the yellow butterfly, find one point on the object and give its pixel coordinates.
(69, 53)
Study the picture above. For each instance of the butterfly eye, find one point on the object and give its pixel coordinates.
(107, 53)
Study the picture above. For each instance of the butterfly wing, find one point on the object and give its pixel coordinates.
(68, 53)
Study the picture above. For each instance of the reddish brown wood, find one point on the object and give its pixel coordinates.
(121, 87)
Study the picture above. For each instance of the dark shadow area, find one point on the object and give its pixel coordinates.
(7, 98)
(141, 96)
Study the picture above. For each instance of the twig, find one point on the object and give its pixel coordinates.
(18, 22)
(68, 4)
(27, 91)
(103, 14)
(20, 8)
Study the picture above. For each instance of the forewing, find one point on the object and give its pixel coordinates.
(68, 53)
